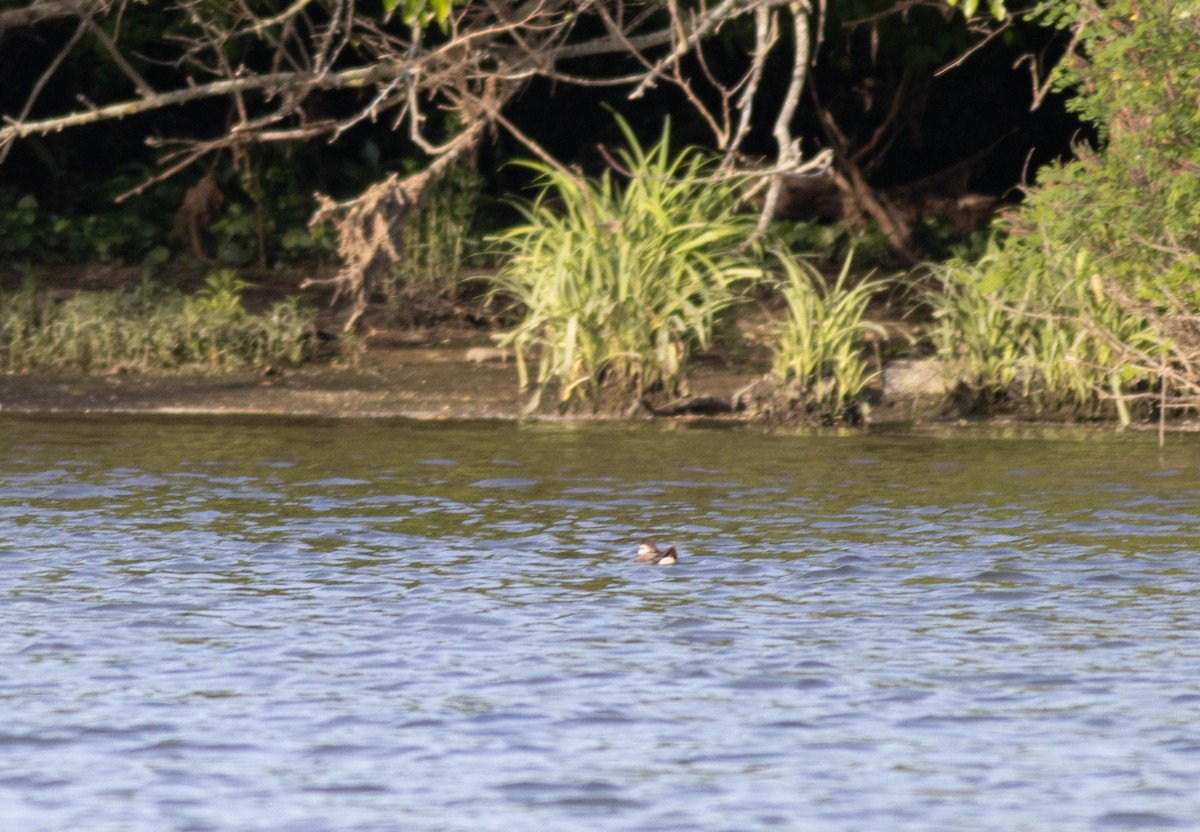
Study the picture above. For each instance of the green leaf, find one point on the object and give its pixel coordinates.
(441, 11)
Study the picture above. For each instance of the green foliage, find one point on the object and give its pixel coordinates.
(422, 12)
(285, 232)
(148, 327)
(138, 233)
(820, 345)
(620, 283)
(1072, 307)
(1006, 334)
(996, 8)
(219, 297)
(29, 233)
(978, 339)
(236, 233)
(1134, 204)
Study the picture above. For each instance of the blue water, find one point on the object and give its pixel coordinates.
(222, 625)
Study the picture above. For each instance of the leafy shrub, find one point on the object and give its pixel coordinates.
(1092, 293)
(30, 233)
(620, 283)
(1133, 203)
(1055, 345)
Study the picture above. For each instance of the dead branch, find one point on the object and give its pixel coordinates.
(766, 34)
(275, 83)
(1043, 85)
(36, 92)
(369, 227)
(789, 149)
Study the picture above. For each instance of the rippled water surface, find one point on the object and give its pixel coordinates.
(309, 626)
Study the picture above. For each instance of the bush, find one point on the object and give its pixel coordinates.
(1133, 203)
(32, 234)
(1092, 293)
(1054, 346)
(619, 284)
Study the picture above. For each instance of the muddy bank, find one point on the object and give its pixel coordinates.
(463, 380)
(416, 383)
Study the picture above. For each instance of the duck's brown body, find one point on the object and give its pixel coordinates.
(648, 553)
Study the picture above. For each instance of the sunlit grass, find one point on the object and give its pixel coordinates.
(820, 345)
(620, 282)
(1047, 336)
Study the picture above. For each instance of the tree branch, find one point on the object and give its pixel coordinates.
(50, 10)
(789, 148)
(273, 83)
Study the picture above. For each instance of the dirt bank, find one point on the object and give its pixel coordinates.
(417, 383)
(426, 380)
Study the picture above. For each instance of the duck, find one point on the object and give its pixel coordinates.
(647, 552)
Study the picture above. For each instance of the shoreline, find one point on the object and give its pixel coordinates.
(435, 384)
(419, 383)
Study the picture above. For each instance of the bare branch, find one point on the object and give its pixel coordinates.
(351, 78)
(765, 36)
(50, 10)
(726, 10)
(270, 69)
(262, 24)
(132, 74)
(1042, 89)
(31, 99)
(789, 148)
(989, 35)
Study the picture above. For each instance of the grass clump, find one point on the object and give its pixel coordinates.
(148, 327)
(1040, 332)
(619, 283)
(819, 352)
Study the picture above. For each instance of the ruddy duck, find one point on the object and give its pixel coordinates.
(648, 553)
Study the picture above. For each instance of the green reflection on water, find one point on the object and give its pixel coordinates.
(740, 490)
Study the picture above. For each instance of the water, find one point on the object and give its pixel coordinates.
(308, 626)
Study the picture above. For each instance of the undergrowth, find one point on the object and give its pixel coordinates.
(149, 327)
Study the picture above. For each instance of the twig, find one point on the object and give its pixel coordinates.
(132, 74)
(765, 37)
(988, 38)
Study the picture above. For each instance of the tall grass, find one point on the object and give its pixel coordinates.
(620, 282)
(820, 346)
(149, 327)
(1042, 332)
